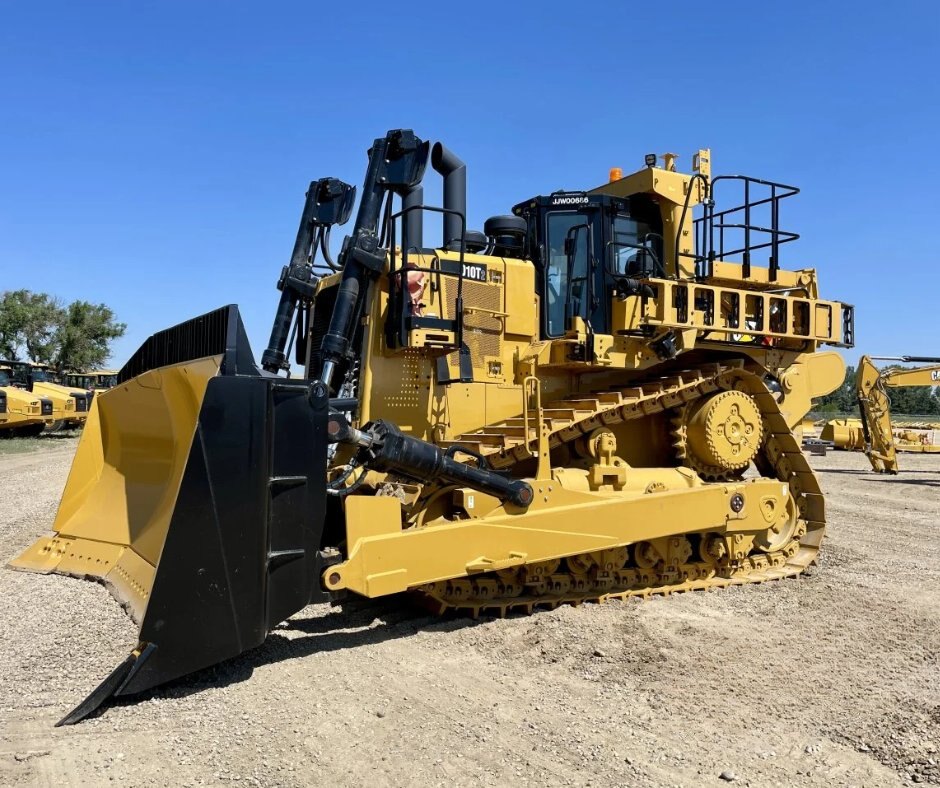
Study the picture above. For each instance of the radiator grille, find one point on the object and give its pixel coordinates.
(482, 332)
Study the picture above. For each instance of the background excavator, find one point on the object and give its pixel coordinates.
(874, 433)
(592, 398)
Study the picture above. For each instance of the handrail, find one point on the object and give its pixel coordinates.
(532, 390)
(711, 220)
(660, 269)
(397, 293)
(706, 188)
(590, 264)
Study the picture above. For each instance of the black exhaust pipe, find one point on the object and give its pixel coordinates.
(454, 171)
(414, 220)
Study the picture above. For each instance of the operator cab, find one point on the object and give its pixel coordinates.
(585, 247)
(25, 374)
(40, 375)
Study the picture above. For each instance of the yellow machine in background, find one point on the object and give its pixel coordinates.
(593, 398)
(69, 406)
(22, 413)
(92, 382)
(846, 434)
(96, 380)
(874, 433)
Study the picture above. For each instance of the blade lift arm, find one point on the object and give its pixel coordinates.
(329, 201)
(396, 165)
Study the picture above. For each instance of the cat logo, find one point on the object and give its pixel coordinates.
(935, 375)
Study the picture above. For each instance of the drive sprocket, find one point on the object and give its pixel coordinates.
(718, 436)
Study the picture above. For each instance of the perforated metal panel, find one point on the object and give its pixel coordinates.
(405, 396)
(483, 332)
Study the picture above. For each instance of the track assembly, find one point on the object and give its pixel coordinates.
(737, 411)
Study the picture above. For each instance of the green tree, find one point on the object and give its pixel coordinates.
(913, 400)
(36, 327)
(83, 338)
(843, 399)
(29, 323)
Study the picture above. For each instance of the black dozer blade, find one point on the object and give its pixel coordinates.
(240, 548)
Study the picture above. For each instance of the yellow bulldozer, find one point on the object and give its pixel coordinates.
(23, 414)
(874, 433)
(593, 398)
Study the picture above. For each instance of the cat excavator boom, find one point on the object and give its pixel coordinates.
(874, 404)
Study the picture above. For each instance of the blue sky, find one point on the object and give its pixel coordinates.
(155, 154)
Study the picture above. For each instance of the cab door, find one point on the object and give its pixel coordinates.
(572, 272)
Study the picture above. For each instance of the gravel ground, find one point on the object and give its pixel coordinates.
(831, 679)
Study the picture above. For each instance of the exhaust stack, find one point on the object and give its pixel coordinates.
(454, 171)
(414, 220)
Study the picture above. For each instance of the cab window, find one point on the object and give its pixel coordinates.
(628, 248)
(556, 271)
